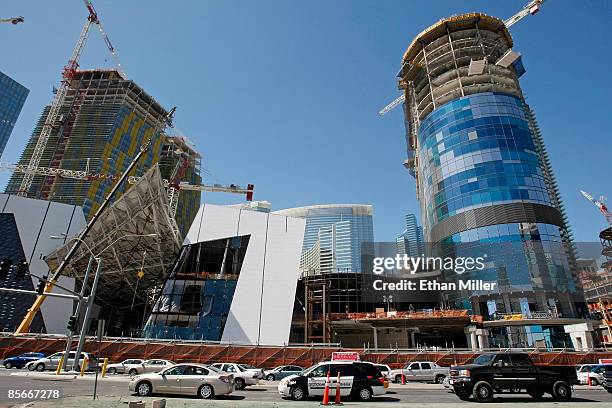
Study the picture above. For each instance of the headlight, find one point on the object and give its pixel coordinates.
(464, 373)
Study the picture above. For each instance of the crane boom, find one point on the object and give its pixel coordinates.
(12, 20)
(67, 74)
(600, 205)
(531, 8)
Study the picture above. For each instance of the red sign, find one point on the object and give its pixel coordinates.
(605, 361)
(345, 356)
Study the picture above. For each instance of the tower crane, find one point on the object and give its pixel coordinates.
(599, 204)
(12, 20)
(531, 8)
(67, 75)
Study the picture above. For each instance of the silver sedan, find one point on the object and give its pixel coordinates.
(189, 379)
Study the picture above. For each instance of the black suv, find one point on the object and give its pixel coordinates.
(607, 382)
(359, 380)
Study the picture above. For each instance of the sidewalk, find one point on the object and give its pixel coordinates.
(109, 402)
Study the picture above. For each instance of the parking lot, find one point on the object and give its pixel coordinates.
(113, 392)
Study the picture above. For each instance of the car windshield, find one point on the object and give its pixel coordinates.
(247, 367)
(484, 359)
(309, 369)
(584, 369)
(215, 369)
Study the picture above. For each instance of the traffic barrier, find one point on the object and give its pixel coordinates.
(104, 366)
(83, 366)
(60, 365)
(337, 399)
(326, 392)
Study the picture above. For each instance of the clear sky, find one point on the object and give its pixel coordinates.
(284, 94)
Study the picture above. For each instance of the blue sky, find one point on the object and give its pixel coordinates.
(284, 94)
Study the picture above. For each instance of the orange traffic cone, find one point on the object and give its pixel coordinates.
(337, 400)
(403, 379)
(589, 380)
(326, 392)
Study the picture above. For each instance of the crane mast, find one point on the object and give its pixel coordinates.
(67, 75)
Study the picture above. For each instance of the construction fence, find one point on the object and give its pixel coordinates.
(119, 349)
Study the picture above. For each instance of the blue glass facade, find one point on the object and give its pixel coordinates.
(340, 229)
(12, 98)
(477, 151)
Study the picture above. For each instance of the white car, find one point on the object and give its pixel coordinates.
(52, 362)
(189, 379)
(595, 373)
(385, 369)
(148, 366)
(243, 374)
(420, 371)
(124, 366)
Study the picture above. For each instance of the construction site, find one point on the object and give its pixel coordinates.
(133, 252)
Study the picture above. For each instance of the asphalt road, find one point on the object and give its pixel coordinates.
(78, 392)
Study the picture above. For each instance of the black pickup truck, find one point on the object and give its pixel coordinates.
(497, 372)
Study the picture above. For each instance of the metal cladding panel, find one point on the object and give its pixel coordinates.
(245, 313)
(213, 222)
(283, 250)
(36, 220)
(194, 230)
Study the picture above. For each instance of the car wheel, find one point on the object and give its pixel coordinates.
(270, 377)
(240, 384)
(398, 378)
(535, 393)
(483, 392)
(40, 367)
(561, 391)
(298, 393)
(462, 394)
(440, 379)
(133, 371)
(364, 394)
(144, 389)
(206, 391)
(112, 370)
(594, 382)
(8, 365)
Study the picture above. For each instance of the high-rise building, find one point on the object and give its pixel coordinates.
(411, 241)
(104, 120)
(334, 236)
(484, 181)
(12, 98)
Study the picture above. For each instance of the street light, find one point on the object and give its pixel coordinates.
(92, 295)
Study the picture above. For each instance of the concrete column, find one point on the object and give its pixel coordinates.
(412, 340)
(581, 335)
(472, 341)
(375, 338)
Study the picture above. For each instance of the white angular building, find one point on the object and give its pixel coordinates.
(234, 280)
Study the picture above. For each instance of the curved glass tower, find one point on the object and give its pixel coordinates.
(483, 178)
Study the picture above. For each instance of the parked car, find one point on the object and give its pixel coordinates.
(281, 372)
(420, 371)
(595, 373)
(243, 375)
(190, 379)
(21, 360)
(584, 367)
(52, 362)
(384, 369)
(359, 380)
(607, 380)
(496, 372)
(148, 366)
(124, 366)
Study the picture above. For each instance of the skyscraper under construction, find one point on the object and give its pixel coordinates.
(103, 121)
(484, 181)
